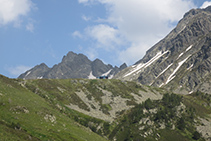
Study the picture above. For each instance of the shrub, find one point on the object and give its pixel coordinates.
(196, 135)
(181, 124)
(148, 104)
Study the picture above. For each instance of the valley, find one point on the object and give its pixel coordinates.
(164, 96)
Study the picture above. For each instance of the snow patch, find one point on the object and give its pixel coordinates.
(172, 76)
(161, 85)
(180, 55)
(91, 76)
(189, 48)
(138, 68)
(40, 77)
(111, 76)
(185, 51)
(28, 73)
(151, 84)
(164, 70)
(191, 92)
(182, 29)
(190, 67)
(106, 74)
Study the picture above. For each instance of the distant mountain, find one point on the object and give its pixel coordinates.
(72, 66)
(182, 60)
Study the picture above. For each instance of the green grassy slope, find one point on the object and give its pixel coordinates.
(60, 93)
(38, 110)
(25, 115)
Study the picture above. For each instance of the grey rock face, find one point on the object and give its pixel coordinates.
(72, 66)
(182, 60)
(37, 72)
(98, 67)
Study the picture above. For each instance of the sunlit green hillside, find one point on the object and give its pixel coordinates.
(94, 110)
(25, 115)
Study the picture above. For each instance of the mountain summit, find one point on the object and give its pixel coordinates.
(182, 60)
(72, 66)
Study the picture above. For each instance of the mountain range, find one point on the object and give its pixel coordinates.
(73, 66)
(181, 61)
(140, 102)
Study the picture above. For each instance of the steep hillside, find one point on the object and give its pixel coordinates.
(72, 66)
(72, 109)
(172, 118)
(79, 109)
(25, 115)
(182, 60)
(103, 99)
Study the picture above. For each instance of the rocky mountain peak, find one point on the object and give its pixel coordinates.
(192, 12)
(77, 58)
(97, 61)
(72, 66)
(123, 66)
(70, 56)
(99, 68)
(38, 71)
(181, 61)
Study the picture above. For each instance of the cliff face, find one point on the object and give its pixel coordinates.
(182, 60)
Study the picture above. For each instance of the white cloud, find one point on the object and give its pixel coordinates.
(132, 53)
(12, 10)
(77, 34)
(85, 18)
(106, 37)
(91, 53)
(206, 4)
(83, 1)
(30, 27)
(143, 22)
(16, 71)
(139, 22)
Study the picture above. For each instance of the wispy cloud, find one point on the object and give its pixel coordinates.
(105, 36)
(12, 10)
(30, 27)
(77, 34)
(91, 53)
(17, 70)
(83, 1)
(86, 18)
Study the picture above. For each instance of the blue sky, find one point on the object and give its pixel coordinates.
(116, 31)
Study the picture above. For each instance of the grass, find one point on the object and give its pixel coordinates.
(171, 135)
(36, 110)
(198, 104)
(48, 98)
(19, 125)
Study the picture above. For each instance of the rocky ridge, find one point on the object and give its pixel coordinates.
(182, 60)
(72, 66)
